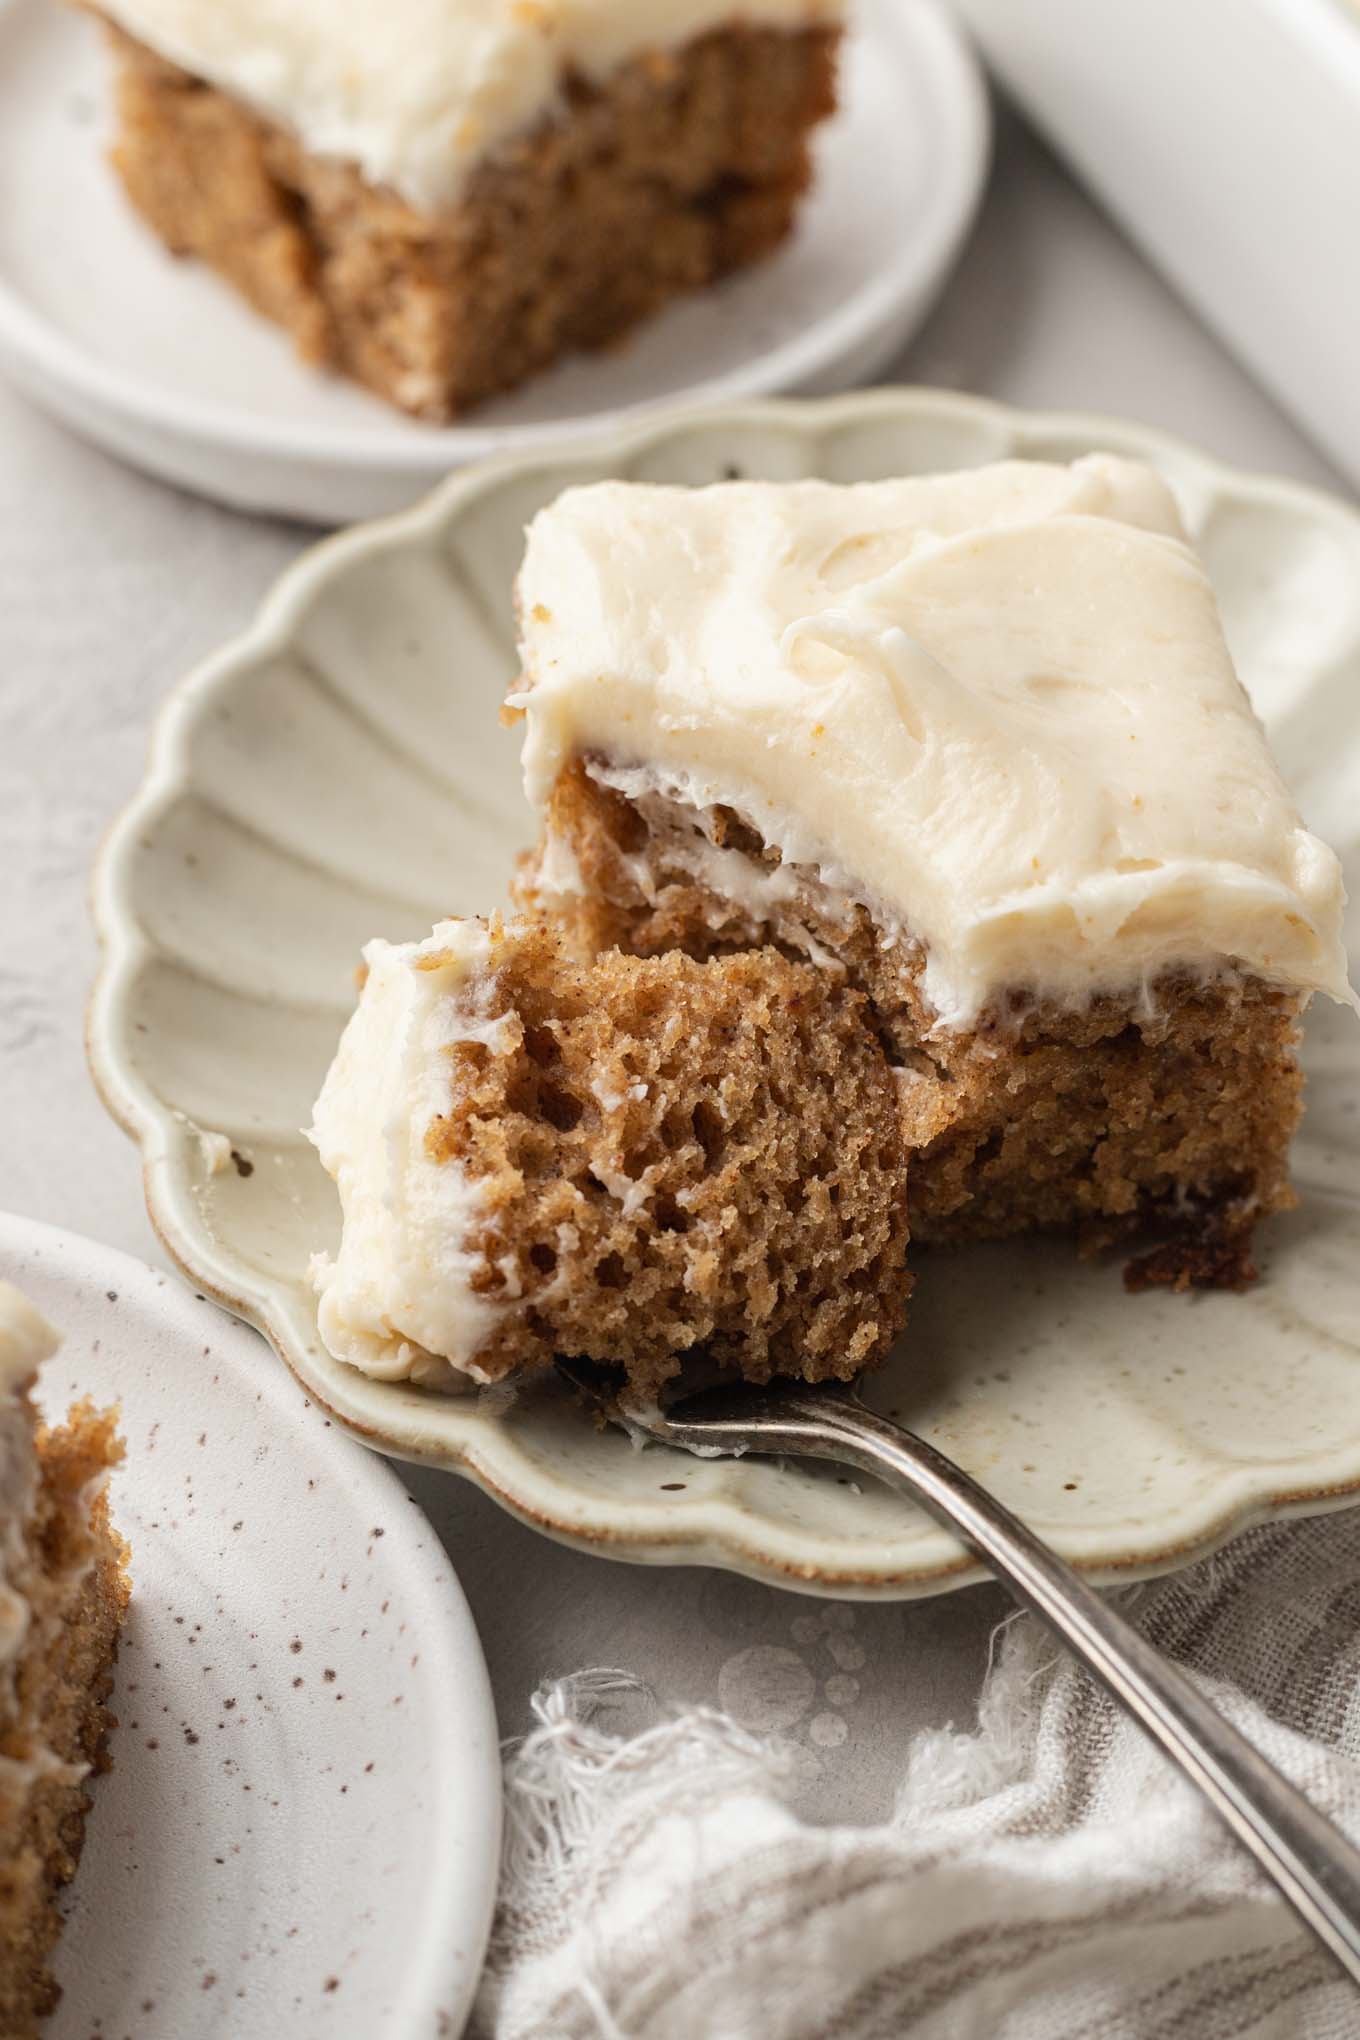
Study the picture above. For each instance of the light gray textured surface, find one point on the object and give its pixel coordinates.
(112, 585)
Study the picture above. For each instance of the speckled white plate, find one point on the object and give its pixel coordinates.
(163, 364)
(340, 771)
(300, 1830)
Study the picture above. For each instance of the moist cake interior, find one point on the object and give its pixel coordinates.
(973, 742)
(1169, 1116)
(63, 1594)
(676, 168)
(637, 1158)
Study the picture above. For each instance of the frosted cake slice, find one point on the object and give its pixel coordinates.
(621, 1158)
(441, 197)
(63, 1593)
(973, 744)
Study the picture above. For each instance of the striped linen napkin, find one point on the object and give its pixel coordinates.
(1047, 1877)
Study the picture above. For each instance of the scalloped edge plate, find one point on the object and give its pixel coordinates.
(1135, 1433)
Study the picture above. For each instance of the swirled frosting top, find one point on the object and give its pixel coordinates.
(997, 705)
(416, 92)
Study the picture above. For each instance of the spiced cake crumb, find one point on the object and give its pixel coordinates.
(629, 188)
(64, 1572)
(630, 1159)
(975, 741)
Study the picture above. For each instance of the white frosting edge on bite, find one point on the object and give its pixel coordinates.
(416, 93)
(26, 1341)
(996, 705)
(395, 1297)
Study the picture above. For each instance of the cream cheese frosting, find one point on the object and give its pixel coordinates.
(395, 1298)
(997, 705)
(417, 92)
(26, 1340)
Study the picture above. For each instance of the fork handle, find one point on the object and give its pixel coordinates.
(1315, 1867)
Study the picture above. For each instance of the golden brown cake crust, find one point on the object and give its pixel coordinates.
(679, 168)
(678, 1154)
(77, 1589)
(1171, 1115)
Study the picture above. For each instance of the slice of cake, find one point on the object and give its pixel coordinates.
(63, 1592)
(440, 197)
(973, 744)
(624, 1159)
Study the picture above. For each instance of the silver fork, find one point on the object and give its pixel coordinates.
(1316, 1869)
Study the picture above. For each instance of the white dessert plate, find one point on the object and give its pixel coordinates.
(301, 1827)
(339, 771)
(159, 362)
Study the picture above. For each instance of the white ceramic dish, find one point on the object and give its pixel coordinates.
(164, 366)
(301, 1826)
(1224, 135)
(340, 771)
